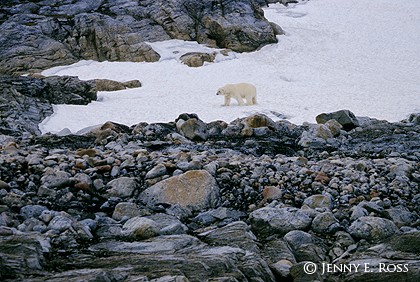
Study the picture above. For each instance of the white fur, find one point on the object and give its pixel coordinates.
(239, 92)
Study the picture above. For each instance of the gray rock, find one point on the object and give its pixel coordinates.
(32, 211)
(325, 223)
(158, 170)
(55, 178)
(122, 187)
(334, 127)
(316, 136)
(105, 227)
(239, 234)
(168, 224)
(158, 245)
(372, 228)
(268, 221)
(319, 202)
(277, 29)
(60, 223)
(414, 118)
(22, 255)
(127, 210)
(276, 250)
(97, 274)
(281, 269)
(400, 167)
(183, 253)
(258, 121)
(406, 243)
(400, 217)
(193, 129)
(344, 117)
(305, 247)
(132, 83)
(358, 212)
(140, 228)
(47, 215)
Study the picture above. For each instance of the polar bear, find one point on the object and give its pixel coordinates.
(239, 91)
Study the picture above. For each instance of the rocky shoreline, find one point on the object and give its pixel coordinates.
(252, 200)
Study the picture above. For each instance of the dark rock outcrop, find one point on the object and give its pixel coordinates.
(25, 101)
(35, 35)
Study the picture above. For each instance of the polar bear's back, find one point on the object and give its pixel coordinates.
(245, 88)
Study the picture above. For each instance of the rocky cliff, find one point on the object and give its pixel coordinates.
(35, 35)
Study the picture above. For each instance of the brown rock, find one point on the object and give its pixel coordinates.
(272, 193)
(322, 177)
(197, 59)
(132, 83)
(89, 152)
(108, 85)
(195, 189)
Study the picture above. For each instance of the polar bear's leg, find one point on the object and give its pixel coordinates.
(240, 101)
(249, 101)
(254, 100)
(227, 101)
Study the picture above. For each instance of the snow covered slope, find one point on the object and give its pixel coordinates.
(354, 54)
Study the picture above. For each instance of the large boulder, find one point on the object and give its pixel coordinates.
(372, 228)
(194, 189)
(122, 187)
(190, 126)
(268, 221)
(344, 117)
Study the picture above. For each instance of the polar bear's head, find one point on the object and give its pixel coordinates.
(221, 91)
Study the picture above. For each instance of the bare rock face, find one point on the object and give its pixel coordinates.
(25, 101)
(22, 255)
(195, 189)
(42, 34)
